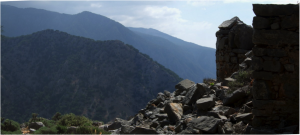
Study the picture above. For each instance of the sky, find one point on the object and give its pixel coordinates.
(194, 21)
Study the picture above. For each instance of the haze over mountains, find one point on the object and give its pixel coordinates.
(52, 71)
(188, 60)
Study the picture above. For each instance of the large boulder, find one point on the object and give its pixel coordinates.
(224, 110)
(126, 129)
(230, 98)
(160, 98)
(117, 124)
(205, 124)
(183, 86)
(194, 93)
(174, 111)
(205, 104)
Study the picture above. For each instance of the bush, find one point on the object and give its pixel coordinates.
(90, 130)
(208, 80)
(61, 129)
(56, 117)
(46, 130)
(73, 120)
(243, 78)
(10, 125)
(11, 132)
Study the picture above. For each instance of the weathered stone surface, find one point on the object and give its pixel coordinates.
(261, 90)
(262, 104)
(290, 129)
(228, 128)
(142, 130)
(229, 23)
(167, 93)
(233, 60)
(273, 66)
(275, 10)
(31, 130)
(194, 93)
(224, 110)
(291, 91)
(245, 109)
(290, 22)
(262, 75)
(174, 111)
(276, 52)
(222, 32)
(117, 124)
(289, 67)
(126, 129)
(242, 37)
(260, 22)
(257, 63)
(249, 54)
(275, 26)
(275, 37)
(36, 125)
(235, 96)
(184, 85)
(223, 42)
(160, 98)
(257, 51)
(246, 117)
(205, 124)
(240, 51)
(205, 103)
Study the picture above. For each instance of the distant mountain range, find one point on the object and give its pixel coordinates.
(188, 60)
(52, 71)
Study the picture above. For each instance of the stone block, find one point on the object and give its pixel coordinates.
(233, 60)
(276, 52)
(222, 43)
(195, 93)
(174, 111)
(228, 24)
(273, 66)
(291, 91)
(205, 124)
(290, 21)
(289, 67)
(275, 37)
(275, 26)
(257, 63)
(241, 51)
(257, 51)
(275, 10)
(205, 104)
(222, 32)
(235, 96)
(263, 104)
(260, 22)
(262, 75)
(260, 90)
(184, 84)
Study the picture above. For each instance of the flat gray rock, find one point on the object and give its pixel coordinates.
(174, 111)
(229, 23)
(205, 124)
(205, 104)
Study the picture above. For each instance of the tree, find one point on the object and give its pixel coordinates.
(34, 115)
(57, 116)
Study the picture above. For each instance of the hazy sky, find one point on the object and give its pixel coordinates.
(192, 21)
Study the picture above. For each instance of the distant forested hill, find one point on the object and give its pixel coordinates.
(189, 61)
(51, 71)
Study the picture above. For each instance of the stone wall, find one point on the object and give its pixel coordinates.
(234, 39)
(276, 66)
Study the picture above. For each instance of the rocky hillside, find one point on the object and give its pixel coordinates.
(192, 61)
(51, 71)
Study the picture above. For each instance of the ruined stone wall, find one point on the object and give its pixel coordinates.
(276, 66)
(234, 39)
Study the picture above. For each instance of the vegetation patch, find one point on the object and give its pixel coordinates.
(243, 78)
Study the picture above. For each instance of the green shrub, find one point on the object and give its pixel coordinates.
(61, 129)
(46, 130)
(90, 130)
(10, 125)
(242, 79)
(208, 80)
(11, 132)
(73, 120)
(57, 116)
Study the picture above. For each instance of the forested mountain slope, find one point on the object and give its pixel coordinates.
(51, 71)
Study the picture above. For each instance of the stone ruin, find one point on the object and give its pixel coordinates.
(234, 39)
(276, 66)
